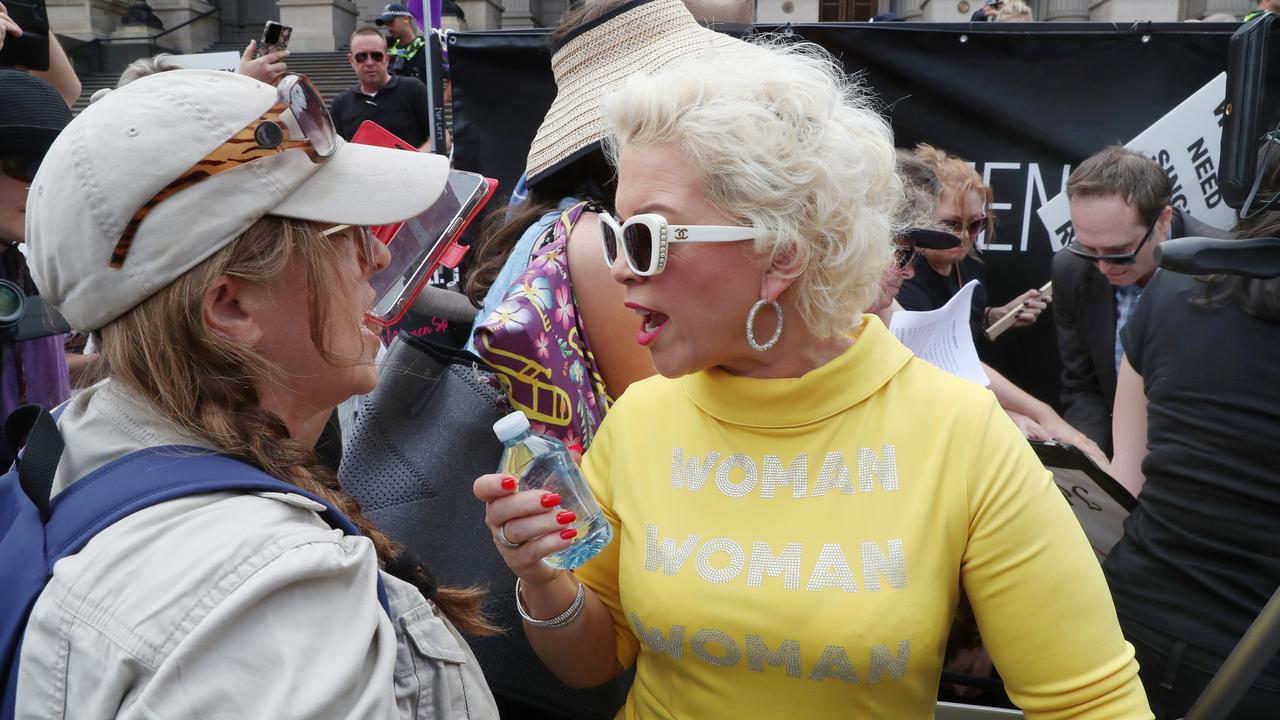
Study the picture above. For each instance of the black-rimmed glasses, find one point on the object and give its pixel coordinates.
(1128, 258)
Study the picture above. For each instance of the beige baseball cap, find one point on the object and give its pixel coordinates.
(125, 148)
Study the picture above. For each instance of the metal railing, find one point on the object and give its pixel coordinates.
(91, 57)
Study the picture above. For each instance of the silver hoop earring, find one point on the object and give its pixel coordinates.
(751, 323)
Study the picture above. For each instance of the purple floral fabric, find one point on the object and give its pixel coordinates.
(536, 344)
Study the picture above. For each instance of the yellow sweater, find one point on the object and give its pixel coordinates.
(795, 548)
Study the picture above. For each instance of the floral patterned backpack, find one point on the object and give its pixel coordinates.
(536, 345)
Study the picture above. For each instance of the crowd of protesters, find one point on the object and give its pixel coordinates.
(715, 234)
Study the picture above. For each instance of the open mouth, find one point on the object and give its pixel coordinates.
(652, 323)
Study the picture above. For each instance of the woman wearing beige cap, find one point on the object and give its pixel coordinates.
(797, 501)
(209, 229)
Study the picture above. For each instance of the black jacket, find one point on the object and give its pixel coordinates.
(1084, 311)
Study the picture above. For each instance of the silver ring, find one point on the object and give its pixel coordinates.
(502, 538)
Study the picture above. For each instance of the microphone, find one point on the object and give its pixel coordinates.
(1252, 257)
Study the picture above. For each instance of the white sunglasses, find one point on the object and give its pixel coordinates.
(644, 239)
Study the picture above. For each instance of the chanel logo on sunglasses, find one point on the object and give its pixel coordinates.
(682, 234)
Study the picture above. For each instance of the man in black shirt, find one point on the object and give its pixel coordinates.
(399, 104)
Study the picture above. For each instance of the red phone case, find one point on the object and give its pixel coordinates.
(371, 133)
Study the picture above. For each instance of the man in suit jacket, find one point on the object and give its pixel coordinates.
(1120, 210)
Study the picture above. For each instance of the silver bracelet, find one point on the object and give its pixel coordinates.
(564, 618)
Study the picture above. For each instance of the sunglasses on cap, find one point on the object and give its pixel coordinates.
(298, 121)
(21, 169)
(644, 239)
(1128, 258)
(376, 56)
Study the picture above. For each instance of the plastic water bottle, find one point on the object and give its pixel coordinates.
(540, 462)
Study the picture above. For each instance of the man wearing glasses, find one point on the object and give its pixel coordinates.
(1119, 211)
(397, 103)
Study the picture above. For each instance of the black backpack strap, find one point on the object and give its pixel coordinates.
(33, 430)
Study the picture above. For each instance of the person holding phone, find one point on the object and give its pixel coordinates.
(59, 74)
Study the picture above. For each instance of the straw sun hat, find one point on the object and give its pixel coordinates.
(643, 36)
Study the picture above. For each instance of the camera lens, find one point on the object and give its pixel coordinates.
(12, 304)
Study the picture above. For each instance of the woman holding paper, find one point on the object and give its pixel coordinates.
(797, 501)
(964, 209)
(921, 188)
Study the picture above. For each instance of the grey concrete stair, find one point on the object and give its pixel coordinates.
(329, 71)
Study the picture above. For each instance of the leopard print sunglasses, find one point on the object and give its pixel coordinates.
(298, 121)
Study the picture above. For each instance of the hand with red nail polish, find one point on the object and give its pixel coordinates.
(526, 525)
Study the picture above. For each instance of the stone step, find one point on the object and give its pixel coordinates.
(328, 71)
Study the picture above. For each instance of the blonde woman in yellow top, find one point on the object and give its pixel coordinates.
(797, 500)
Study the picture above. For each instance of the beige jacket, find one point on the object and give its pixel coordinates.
(228, 606)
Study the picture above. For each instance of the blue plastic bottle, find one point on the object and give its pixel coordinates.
(541, 462)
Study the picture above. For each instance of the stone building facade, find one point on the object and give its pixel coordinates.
(319, 25)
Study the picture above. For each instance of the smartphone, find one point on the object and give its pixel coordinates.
(427, 242)
(275, 37)
(31, 51)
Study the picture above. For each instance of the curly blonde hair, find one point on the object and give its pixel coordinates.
(788, 144)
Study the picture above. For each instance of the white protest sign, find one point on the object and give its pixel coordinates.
(229, 61)
(1186, 142)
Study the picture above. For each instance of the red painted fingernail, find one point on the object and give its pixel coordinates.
(564, 517)
(568, 534)
(551, 500)
(576, 447)
(508, 483)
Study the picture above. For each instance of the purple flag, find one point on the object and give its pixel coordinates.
(419, 14)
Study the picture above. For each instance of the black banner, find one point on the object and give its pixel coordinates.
(1025, 102)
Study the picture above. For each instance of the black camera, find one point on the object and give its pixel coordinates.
(1252, 107)
(26, 317)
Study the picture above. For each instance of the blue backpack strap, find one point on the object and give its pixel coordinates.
(154, 475)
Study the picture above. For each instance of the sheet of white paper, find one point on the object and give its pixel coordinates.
(942, 337)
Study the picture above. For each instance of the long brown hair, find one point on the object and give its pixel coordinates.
(207, 384)
(1257, 297)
